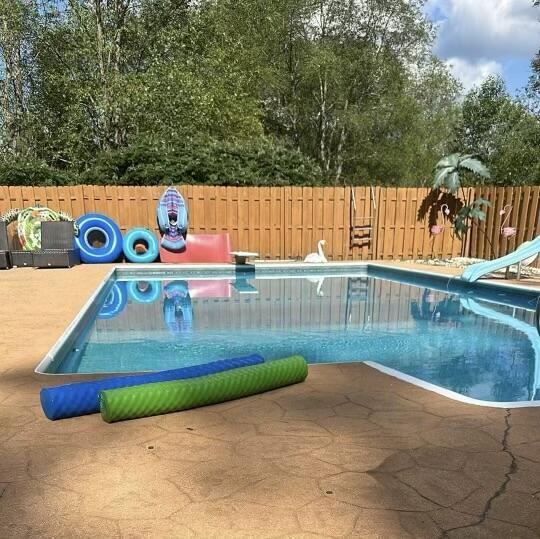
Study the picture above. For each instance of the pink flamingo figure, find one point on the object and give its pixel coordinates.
(507, 231)
(437, 229)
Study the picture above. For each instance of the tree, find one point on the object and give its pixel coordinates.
(336, 79)
(112, 74)
(533, 88)
(351, 86)
(16, 28)
(503, 132)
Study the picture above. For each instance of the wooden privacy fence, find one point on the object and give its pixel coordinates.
(487, 241)
(287, 222)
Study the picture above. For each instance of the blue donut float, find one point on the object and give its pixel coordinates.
(99, 239)
(115, 302)
(140, 236)
(150, 293)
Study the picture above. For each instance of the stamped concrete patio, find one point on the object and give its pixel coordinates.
(351, 452)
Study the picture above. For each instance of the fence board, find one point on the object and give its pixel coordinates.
(533, 229)
(506, 245)
(525, 202)
(5, 202)
(524, 217)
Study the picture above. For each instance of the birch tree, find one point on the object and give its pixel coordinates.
(15, 46)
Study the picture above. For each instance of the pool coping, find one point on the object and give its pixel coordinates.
(448, 392)
(211, 270)
(456, 278)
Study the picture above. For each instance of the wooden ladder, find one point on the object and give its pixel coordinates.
(361, 231)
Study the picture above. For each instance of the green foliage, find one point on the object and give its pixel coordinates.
(17, 20)
(21, 172)
(203, 161)
(468, 214)
(219, 91)
(341, 88)
(326, 78)
(199, 161)
(449, 169)
(449, 172)
(503, 132)
(107, 78)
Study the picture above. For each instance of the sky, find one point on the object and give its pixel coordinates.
(478, 38)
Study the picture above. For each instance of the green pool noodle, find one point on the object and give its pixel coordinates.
(164, 397)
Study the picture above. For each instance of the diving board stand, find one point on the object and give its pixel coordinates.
(241, 257)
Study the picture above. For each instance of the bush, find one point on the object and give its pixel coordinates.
(259, 162)
(21, 172)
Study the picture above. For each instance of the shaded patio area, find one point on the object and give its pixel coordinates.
(350, 452)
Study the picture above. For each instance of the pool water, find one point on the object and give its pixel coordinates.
(481, 349)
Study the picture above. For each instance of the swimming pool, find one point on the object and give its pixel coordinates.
(477, 341)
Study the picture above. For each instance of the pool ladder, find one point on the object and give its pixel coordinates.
(361, 230)
(357, 291)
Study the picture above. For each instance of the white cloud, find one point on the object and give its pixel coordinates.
(473, 73)
(479, 38)
(480, 29)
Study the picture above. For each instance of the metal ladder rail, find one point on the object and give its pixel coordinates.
(355, 294)
(537, 316)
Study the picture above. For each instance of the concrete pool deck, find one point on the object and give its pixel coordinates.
(350, 452)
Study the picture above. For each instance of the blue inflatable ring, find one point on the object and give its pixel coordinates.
(104, 230)
(141, 235)
(115, 302)
(151, 294)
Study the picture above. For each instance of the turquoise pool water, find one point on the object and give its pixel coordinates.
(481, 345)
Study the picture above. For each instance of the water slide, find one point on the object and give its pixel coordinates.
(519, 325)
(525, 253)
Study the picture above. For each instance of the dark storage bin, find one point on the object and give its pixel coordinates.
(57, 235)
(5, 260)
(57, 258)
(21, 258)
(4, 245)
(5, 257)
(57, 246)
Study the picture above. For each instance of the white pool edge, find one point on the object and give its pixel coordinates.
(483, 282)
(448, 392)
(66, 334)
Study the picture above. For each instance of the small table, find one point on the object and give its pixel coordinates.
(240, 257)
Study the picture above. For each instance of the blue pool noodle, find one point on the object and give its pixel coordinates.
(81, 398)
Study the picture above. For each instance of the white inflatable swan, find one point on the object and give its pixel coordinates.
(318, 257)
(319, 282)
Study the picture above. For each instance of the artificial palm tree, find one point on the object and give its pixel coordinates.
(449, 169)
(448, 175)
